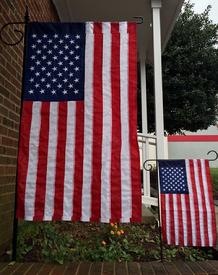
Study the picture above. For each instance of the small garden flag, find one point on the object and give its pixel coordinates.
(78, 152)
(187, 207)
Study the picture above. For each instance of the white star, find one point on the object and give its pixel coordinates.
(37, 85)
(66, 47)
(60, 52)
(76, 69)
(54, 80)
(38, 51)
(71, 41)
(45, 35)
(71, 63)
(54, 69)
(77, 36)
(30, 91)
(77, 57)
(59, 85)
(56, 36)
(43, 80)
(55, 57)
(44, 57)
(66, 57)
(44, 46)
(31, 79)
(55, 47)
(33, 46)
(59, 74)
(65, 80)
(48, 85)
(39, 41)
(71, 52)
(76, 80)
(61, 41)
(49, 62)
(64, 92)
(53, 92)
(66, 36)
(70, 85)
(49, 41)
(70, 74)
(42, 91)
(38, 62)
(33, 57)
(48, 74)
(34, 35)
(77, 46)
(50, 52)
(43, 69)
(60, 63)
(76, 91)
(65, 69)
(32, 68)
(37, 73)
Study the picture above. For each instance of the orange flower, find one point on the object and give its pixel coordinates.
(118, 233)
(112, 224)
(115, 226)
(103, 243)
(121, 231)
(112, 232)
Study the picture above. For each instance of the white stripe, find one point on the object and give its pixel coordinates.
(69, 161)
(200, 204)
(33, 161)
(126, 197)
(51, 164)
(184, 219)
(191, 200)
(176, 223)
(167, 219)
(107, 126)
(207, 202)
(88, 124)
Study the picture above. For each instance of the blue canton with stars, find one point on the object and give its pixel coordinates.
(54, 65)
(173, 179)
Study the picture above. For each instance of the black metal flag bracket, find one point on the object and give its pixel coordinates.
(13, 24)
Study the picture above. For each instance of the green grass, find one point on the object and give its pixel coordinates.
(214, 174)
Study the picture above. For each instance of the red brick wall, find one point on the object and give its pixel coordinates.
(10, 95)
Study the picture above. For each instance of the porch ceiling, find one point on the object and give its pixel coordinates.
(122, 10)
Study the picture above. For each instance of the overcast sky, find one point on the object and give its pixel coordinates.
(200, 5)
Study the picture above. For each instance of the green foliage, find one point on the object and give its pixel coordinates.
(61, 241)
(190, 74)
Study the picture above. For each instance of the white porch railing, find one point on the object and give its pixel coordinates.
(147, 149)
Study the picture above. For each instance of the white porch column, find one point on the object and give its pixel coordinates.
(156, 5)
(145, 146)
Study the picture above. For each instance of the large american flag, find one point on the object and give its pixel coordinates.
(78, 151)
(187, 208)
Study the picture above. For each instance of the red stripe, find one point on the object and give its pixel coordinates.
(163, 217)
(210, 195)
(134, 151)
(180, 221)
(116, 125)
(190, 138)
(172, 223)
(205, 215)
(60, 161)
(78, 168)
(23, 156)
(42, 162)
(197, 222)
(97, 124)
(188, 217)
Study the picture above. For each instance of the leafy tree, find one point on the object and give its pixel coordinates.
(190, 74)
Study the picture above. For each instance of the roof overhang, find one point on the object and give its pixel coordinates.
(123, 10)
